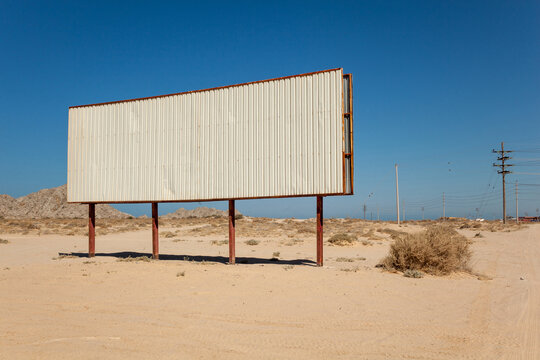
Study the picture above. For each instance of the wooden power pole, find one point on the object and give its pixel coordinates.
(503, 158)
(517, 212)
(364, 211)
(443, 208)
(397, 196)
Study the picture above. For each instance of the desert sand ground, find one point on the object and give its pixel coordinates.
(191, 304)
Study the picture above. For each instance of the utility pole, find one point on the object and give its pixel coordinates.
(422, 213)
(443, 208)
(477, 210)
(364, 211)
(397, 195)
(371, 215)
(378, 219)
(517, 216)
(502, 158)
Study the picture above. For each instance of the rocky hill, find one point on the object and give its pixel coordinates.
(52, 203)
(200, 212)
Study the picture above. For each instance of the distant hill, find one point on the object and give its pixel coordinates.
(52, 203)
(200, 212)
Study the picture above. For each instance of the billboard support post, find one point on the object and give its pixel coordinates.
(232, 229)
(91, 230)
(155, 231)
(319, 231)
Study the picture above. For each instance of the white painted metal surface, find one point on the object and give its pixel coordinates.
(273, 138)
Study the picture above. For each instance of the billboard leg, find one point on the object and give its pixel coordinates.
(232, 228)
(155, 231)
(319, 231)
(91, 230)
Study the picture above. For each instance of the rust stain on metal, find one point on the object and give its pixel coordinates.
(209, 89)
(352, 130)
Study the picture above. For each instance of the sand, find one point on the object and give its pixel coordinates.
(191, 304)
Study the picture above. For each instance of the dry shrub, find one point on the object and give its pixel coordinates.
(251, 242)
(220, 242)
(439, 250)
(4, 241)
(413, 274)
(371, 235)
(292, 242)
(394, 234)
(135, 259)
(342, 239)
(471, 225)
(167, 234)
(306, 229)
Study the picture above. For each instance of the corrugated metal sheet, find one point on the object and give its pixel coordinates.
(273, 138)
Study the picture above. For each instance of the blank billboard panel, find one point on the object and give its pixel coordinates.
(283, 137)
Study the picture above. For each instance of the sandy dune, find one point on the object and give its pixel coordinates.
(191, 304)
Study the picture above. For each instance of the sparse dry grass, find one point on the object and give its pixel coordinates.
(220, 242)
(413, 274)
(370, 235)
(439, 250)
(295, 229)
(167, 234)
(4, 241)
(487, 225)
(394, 234)
(343, 239)
(70, 226)
(292, 242)
(135, 259)
(251, 242)
(64, 256)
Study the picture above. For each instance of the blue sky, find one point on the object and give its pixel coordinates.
(437, 85)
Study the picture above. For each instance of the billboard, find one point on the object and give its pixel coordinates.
(284, 137)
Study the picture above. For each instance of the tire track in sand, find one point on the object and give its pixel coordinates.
(529, 320)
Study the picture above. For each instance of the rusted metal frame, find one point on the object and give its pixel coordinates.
(347, 154)
(343, 134)
(91, 230)
(155, 231)
(319, 231)
(351, 130)
(204, 200)
(209, 89)
(232, 230)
